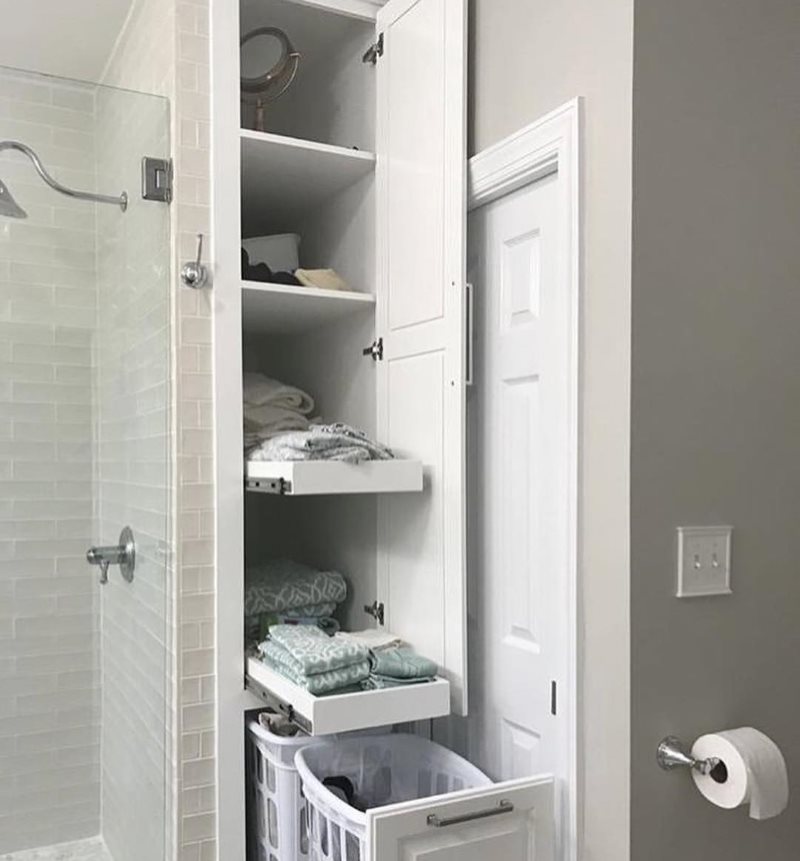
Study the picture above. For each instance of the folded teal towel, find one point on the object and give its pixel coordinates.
(282, 585)
(376, 683)
(309, 610)
(317, 683)
(314, 651)
(402, 663)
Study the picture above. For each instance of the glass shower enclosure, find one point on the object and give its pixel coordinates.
(85, 434)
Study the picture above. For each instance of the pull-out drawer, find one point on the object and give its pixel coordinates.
(320, 477)
(349, 711)
(511, 821)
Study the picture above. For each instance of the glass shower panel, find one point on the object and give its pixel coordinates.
(84, 451)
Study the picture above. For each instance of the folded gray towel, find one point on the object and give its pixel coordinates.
(322, 442)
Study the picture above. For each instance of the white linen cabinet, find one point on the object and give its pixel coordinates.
(365, 159)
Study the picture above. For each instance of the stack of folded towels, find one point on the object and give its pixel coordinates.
(313, 660)
(277, 427)
(362, 660)
(283, 591)
(272, 408)
(392, 663)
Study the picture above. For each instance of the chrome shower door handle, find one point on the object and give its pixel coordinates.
(122, 554)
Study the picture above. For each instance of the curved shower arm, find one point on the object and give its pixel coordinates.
(121, 201)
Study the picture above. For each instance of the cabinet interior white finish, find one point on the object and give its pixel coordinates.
(393, 226)
(280, 309)
(292, 177)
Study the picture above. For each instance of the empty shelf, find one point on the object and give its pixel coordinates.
(283, 309)
(351, 711)
(318, 477)
(294, 176)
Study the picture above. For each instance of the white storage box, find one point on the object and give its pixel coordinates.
(383, 770)
(280, 252)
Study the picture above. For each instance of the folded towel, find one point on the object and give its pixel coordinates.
(377, 683)
(401, 663)
(260, 390)
(372, 638)
(257, 627)
(322, 442)
(312, 651)
(322, 279)
(265, 421)
(282, 585)
(318, 683)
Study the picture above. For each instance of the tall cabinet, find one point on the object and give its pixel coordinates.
(365, 158)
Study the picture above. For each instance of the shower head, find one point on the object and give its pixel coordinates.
(8, 206)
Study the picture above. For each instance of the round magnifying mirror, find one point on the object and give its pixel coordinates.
(265, 55)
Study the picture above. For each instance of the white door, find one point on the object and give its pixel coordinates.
(519, 484)
(421, 240)
(508, 822)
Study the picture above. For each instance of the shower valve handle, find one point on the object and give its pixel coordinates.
(194, 274)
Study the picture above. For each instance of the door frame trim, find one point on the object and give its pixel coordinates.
(548, 145)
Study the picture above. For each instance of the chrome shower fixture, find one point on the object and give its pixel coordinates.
(11, 209)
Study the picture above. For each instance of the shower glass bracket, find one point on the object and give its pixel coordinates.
(157, 179)
(122, 554)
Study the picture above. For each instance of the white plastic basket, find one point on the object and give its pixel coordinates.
(279, 252)
(383, 770)
(276, 811)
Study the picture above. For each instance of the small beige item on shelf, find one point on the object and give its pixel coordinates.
(322, 279)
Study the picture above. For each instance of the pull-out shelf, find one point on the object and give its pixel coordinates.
(349, 711)
(318, 477)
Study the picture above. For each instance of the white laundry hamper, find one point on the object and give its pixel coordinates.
(276, 810)
(383, 770)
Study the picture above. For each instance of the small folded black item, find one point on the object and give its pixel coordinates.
(261, 272)
(285, 278)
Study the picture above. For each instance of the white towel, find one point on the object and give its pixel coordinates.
(372, 638)
(260, 390)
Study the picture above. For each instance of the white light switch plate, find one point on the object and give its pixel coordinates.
(704, 561)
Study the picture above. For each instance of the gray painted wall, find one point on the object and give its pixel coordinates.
(716, 403)
(527, 58)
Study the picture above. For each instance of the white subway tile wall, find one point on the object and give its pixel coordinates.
(91, 849)
(49, 601)
(165, 49)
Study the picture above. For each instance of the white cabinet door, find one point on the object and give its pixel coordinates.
(510, 821)
(421, 215)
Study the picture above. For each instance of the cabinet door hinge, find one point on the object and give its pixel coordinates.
(373, 52)
(376, 611)
(375, 350)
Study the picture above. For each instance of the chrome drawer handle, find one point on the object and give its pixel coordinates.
(437, 822)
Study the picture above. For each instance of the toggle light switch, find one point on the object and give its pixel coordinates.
(704, 561)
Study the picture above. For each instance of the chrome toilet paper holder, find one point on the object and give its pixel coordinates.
(672, 754)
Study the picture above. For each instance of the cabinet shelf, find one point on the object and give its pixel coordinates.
(284, 309)
(294, 176)
(350, 711)
(320, 477)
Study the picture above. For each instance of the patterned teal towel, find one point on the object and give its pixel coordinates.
(283, 585)
(376, 683)
(402, 663)
(319, 683)
(314, 651)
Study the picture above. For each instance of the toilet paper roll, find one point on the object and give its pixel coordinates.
(752, 771)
